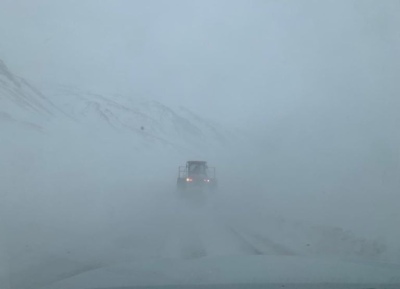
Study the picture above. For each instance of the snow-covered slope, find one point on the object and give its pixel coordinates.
(145, 121)
(148, 119)
(21, 104)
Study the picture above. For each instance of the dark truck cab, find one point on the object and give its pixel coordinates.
(196, 174)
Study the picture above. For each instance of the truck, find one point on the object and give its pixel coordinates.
(196, 175)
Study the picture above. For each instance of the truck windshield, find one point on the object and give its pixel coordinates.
(197, 168)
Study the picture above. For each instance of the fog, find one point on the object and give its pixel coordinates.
(295, 103)
(208, 56)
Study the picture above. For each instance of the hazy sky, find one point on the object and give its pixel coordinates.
(240, 62)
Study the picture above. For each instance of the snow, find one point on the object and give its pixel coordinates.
(150, 120)
(232, 270)
(85, 187)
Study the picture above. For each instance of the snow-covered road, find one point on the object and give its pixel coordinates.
(203, 231)
(161, 227)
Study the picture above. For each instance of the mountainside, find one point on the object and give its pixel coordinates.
(20, 103)
(146, 121)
